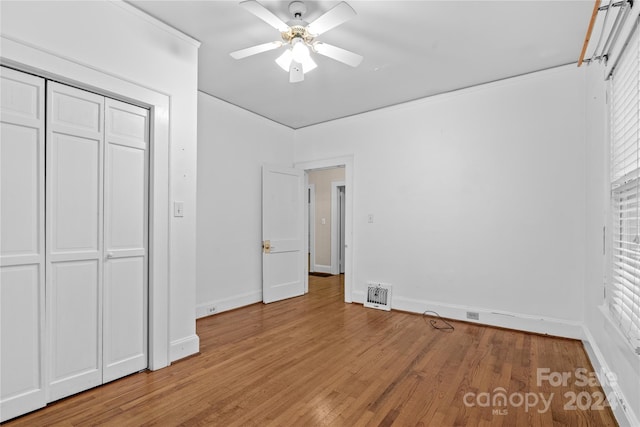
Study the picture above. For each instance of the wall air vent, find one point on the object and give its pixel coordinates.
(378, 296)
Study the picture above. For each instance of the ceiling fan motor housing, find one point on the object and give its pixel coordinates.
(297, 9)
(297, 31)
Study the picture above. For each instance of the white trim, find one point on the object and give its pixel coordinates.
(622, 411)
(185, 347)
(46, 64)
(348, 163)
(503, 319)
(307, 263)
(335, 219)
(157, 23)
(226, 304)
(311, 226)
(615, 325)
(319, 268)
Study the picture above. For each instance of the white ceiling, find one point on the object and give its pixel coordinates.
(411, 49)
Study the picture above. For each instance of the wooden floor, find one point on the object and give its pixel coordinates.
(314, 360)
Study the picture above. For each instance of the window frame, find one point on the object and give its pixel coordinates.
(623, 272)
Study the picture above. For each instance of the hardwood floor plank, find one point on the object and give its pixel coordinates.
(316, 361)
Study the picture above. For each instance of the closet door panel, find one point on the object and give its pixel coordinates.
(74, 179)
(126, 212)
(20, 304)
(22, 388)
(126, 198)
(75, 111)
(125, 318)
(74, 218)
(75, 357)
(21, 297)
(20, 215)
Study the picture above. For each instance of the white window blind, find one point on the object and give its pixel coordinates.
(624, 286)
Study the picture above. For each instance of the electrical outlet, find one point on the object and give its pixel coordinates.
(473, 315)
(620, 400)
(211, 309)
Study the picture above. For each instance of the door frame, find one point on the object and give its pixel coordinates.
(335, 221)
(42, 63)
(347, 162)
(311, 229)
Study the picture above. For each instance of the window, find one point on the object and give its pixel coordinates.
(624, 285)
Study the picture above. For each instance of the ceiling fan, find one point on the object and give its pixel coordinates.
(299, 38)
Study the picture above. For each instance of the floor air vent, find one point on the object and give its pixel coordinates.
(378, 296)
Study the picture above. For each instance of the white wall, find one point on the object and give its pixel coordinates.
(233, 144)
(480, 204)
(113, 41)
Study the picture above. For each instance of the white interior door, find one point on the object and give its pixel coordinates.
(22, 254)
(125, 222)
(341, 232)
(74, 221)
(282, 233)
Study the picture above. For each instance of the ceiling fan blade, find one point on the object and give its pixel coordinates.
(296, 74)
(342, 12)
(337, 53)
(265, 14)
(243, 53)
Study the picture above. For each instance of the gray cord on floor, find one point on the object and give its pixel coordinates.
(437, 323)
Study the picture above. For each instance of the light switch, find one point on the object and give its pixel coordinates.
(324, 221)
(178, 209)
(370, 218)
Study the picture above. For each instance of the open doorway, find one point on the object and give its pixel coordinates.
(328, 219)
(324, 220)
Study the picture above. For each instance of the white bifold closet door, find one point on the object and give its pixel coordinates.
(96, 256)
(22, 241)
(125, 240)
(75, 135)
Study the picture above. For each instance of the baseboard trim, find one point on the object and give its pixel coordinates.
(322, 268)
(19, 405)
(509, 320)
(621, 409)
(184, 347)
(226, 304)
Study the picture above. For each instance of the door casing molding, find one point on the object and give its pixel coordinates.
(335, 220)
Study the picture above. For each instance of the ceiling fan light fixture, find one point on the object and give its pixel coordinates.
(299, 37)
(299, 50)
(308, 64)
(284, 61)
